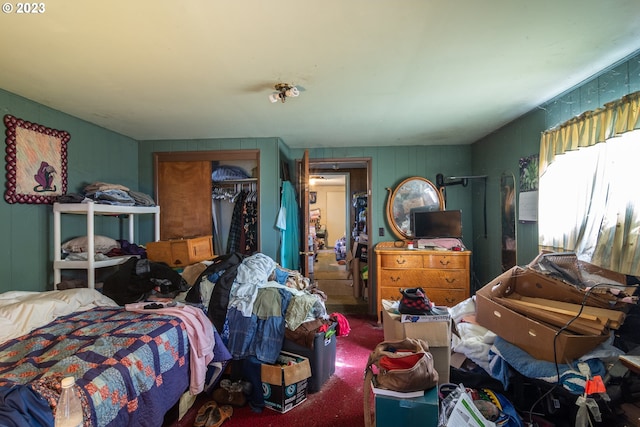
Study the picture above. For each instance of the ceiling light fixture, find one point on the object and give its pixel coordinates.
(284, 91)
(314, 179)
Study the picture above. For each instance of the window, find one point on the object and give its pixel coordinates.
(590, 203)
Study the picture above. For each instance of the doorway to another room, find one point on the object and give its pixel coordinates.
(338, 222)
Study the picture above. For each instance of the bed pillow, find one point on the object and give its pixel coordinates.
(102, 244)
(23, 311)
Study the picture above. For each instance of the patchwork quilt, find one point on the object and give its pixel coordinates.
(130, 367)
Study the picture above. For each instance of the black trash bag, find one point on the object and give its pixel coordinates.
(136, 279)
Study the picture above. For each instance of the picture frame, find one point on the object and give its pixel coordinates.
(36, 162)
(313, 197)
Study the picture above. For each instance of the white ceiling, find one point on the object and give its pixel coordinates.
(373, 72)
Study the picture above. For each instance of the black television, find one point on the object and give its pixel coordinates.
(430, 224)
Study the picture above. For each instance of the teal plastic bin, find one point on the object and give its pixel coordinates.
(414, 412)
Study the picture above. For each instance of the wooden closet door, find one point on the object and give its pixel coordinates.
(184, 197)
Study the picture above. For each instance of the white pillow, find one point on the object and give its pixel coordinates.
(102, 244)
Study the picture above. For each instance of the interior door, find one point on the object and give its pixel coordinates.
(184, 197)
(306, 243)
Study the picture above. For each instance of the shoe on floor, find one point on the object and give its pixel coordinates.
(204, 413)
(219, 415)
(226, 397)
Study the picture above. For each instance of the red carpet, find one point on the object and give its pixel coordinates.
(340, 401)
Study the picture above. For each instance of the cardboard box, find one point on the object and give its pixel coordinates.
(534, 337)
(436, 334)
(181, 252)
(586, 273)
(417, 411)
(631, 414)
(285, 386)
(414, 318)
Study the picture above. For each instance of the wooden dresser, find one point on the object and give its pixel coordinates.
(444, 275)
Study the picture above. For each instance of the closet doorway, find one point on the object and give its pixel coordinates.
(193, 202)
(337, 188)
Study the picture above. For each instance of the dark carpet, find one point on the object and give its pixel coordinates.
(339, 403)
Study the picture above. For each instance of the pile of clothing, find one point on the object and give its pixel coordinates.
(108, 194)
(252, 302)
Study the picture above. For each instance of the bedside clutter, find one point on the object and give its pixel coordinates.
(434, 329)
(472, 408)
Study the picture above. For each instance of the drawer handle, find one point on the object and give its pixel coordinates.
(448, 280)
(401, 261)
(394, 279)
(450, 300)
(444, 262)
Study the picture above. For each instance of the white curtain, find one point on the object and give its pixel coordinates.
(589, 203)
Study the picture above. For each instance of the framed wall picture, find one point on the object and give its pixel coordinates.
(528, 198)
(36, 162)
(313, 197)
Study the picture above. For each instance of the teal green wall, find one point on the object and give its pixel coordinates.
(94, 154)
(269, 177)
(501, 151)
(390, 165)
(493, 156)
(286, 160)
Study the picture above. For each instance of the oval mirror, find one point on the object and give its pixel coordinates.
(414, 192)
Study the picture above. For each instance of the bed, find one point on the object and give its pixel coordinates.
(131, 366)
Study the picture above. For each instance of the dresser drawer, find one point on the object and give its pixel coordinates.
(390, 293)
(400, 261)
(401, 278)
(444, 275)
(424, 278)
(448, 279)
(446, 297)
(446, 261)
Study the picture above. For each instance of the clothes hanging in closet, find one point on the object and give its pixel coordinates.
(235, 217)
(221, 196)
(243, 230)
